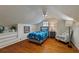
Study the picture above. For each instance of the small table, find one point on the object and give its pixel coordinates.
(52, 34)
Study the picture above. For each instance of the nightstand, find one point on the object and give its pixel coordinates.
(52, 34)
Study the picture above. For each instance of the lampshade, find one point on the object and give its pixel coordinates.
(68, 22)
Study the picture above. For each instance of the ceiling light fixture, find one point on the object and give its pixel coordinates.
(44, 11)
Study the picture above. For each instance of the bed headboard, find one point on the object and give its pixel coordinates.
(44, 28)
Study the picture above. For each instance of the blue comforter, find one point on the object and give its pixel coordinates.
(40, 35)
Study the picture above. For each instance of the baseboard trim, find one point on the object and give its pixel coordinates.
(74, 46)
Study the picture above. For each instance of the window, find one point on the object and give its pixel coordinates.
(45, 23)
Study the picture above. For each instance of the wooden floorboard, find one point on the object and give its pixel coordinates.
(49, 46)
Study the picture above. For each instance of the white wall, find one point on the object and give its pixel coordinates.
(75, 39)
(52, 24)
(34, 28)
(37, 26)
(61, 28)
(59, 25)
(21, 34)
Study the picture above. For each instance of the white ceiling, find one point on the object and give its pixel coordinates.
(10, 14)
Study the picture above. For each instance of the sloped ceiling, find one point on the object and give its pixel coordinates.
(70, 11)
(10, 14)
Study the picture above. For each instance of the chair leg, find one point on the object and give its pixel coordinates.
(69, 45)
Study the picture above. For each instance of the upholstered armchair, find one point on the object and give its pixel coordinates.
(63, 37)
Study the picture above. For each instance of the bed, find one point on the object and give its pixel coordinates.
(38, 36)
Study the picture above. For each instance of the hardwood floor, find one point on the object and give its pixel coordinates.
(49, 46)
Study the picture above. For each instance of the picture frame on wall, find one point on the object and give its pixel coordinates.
(26, 29)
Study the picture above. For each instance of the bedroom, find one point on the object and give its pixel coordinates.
(35, 29)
